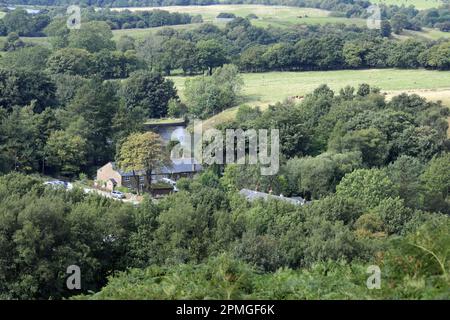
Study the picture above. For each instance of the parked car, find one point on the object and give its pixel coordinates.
(118, 195)
(169, 181)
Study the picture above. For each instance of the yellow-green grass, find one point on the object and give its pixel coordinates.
(165, 121)
(142, 33)
(279, 16)
(44, 41)
(262, 89)
(419, 4)
(426, 33)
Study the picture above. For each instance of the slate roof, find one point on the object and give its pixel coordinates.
(252, 195)
(177, 166)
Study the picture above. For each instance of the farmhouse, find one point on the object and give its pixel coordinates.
(110, 176)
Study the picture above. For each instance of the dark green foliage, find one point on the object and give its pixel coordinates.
(149, 91)
(21, 87)
(43, 232)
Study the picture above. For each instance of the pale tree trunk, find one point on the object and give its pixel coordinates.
(138, 185)
(149, 179)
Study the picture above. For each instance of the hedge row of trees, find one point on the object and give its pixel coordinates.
(23, 23)
(400, 16)
(331, 53)
(255, 49)
(144, 19)
(33, 24)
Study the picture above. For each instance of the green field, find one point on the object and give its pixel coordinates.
(262, 89)
(419, 4)
(426, 33)
(142, 33)
(279, 16)
(270, 87)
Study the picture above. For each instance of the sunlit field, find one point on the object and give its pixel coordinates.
(419, 4)
(279, 16)
(270, 87)
(262, 89)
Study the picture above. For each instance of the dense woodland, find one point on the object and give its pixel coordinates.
(34, 24)
(252, 49)
(376, 173)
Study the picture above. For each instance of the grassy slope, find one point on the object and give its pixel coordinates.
(265, 88)
(278, 16)
(419, 4)
(262, 89)
(426, 33)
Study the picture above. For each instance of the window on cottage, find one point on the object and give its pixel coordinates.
(127, 179)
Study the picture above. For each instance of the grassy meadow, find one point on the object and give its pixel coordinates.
(277, 16)
(263, 89)
(419, 4)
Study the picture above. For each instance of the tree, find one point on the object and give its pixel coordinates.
(28, 58)
(251, 59)
(353, 54)
(406, 54)
(436, 184)
(20, 88)
(93, 36)
(319, 176)
(142, 151)
(405, 173)
(71, 61)
(114, 64)
(399, 22)
(437, 57)
(386, 28)
(394, 214)
(369, 186)
(18, 21)
(89, 115)
(58, 32)
(125, 43)
(45, 231)
(206, 96)
(210, 54)
(18, 135)
(149, 91)
(66, 152)
(421, 142)
(370, 142)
